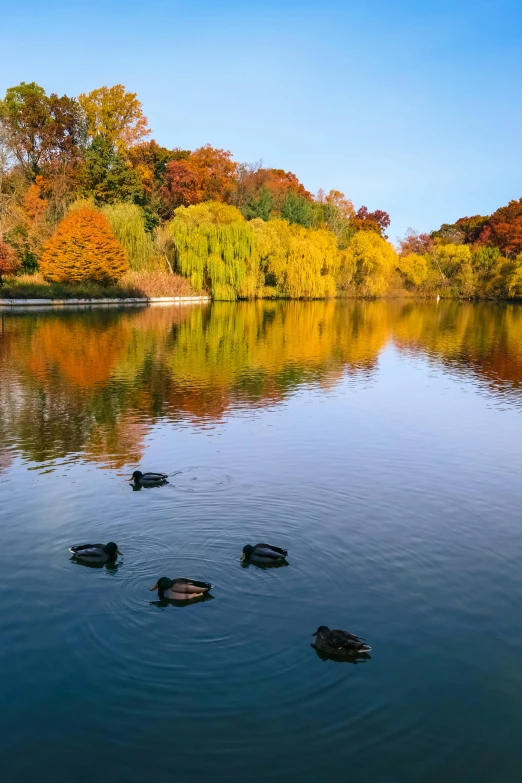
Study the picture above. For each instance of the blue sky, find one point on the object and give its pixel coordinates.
(411, 107)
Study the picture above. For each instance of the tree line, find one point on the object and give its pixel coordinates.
(87, 197)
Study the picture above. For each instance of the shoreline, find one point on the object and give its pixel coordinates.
(7, 304)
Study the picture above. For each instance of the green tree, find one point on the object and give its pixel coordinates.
(214, 247)
(297, 209)
(261, 206)
(107, 177)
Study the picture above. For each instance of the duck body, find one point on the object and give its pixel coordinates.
(340, 643)
(149, 479)
(264, 553)
(96, 553)
(180, 589)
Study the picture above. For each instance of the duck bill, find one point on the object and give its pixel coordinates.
(154, 588)
(243, 556)
(118, 552)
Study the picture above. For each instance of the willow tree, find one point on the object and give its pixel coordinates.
(215, 249)
(374, 261)
(415, 269)
(126, 221)
(298, 262)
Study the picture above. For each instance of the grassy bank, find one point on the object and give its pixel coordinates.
(132, 284)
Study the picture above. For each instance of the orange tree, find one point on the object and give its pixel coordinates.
(83, 249)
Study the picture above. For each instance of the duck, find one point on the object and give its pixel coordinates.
(149, 479)
(180, 589)
(341, 643)
(263, 553)
(96, 553)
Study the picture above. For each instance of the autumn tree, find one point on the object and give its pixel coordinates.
(337, 213)
(115, 115)
(365, 220)
(472, 228)
(415, 269)
(216, 172)
(259, 191)
(83, 248)
(280, 183)
(128, 225)
(150, 161)
(506, 228)
(297, 262)
(374, 261)
(448, 234)
(465, 231)
(415, 243)
(46, 133)
(214, 247)
(181, 186)
(9, 263)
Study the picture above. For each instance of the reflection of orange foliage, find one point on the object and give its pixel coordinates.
(83, 356)
(93, 383)
(118, 444)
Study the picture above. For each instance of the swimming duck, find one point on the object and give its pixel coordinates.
(339, 642)
(96, 553)
(263, 553)
(180, 589)
(149, 479)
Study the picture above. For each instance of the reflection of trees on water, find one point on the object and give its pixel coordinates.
(93, 383)
(483, 340)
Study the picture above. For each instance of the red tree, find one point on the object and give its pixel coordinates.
(506, 228)
(365, 220)
(9, 263)
(414, 242)
(181, 186)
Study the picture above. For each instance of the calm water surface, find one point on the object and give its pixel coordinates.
(381, 443)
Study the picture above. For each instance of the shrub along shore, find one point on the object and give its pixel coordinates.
(91, 208)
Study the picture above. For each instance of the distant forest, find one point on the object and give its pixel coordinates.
(88, 203)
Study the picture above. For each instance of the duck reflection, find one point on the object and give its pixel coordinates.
(265, 566)
(111, 567)
(164, 602)
(360, 657)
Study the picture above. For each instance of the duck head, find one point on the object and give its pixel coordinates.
(247, 551)
(137, 475)
(111, 549)
(162, 584)
(322, 631)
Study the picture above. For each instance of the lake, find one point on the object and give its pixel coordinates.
(380, 442)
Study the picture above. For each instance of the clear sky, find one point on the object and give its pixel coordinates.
(412, 106)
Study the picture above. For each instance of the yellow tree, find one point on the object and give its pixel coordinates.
(450, 258)
(116, 115)
(414, 268)
(374, 260)
(298, 262)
